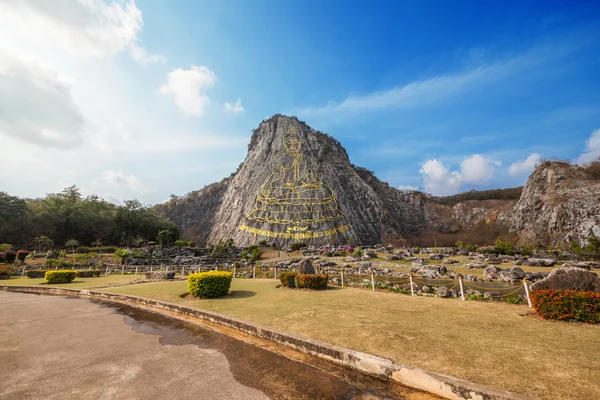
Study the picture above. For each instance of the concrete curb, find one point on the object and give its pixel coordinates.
(442, 385)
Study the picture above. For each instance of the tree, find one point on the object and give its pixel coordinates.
(123, 254)
(43, 242)
(164, 237)
(97, 243)
(459, 244)
(21, 255)
(14, 218)
(71, 244)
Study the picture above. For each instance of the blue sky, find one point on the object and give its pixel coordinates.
(144, 99)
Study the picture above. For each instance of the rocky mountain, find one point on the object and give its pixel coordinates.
(297, 184)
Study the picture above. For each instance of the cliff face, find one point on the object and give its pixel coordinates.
(297, 184)
(559, 203)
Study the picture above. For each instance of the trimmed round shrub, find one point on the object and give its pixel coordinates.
(209, 284)
(311, 281)
(91, 273)
(22, 254)
(287, 279)
(36, 273)
(10, 256)
(60, 276)
(567, 305)
(5, 272)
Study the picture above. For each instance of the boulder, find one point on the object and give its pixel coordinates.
(436, 256)
(491, 272)
(475, 265)
(305, 267)
(541, 262)
(442, 291)
(569, 278)
(471, 277)
(450, 261)
(582, 264)
(392, 258)
(441, 269)
(160, 275)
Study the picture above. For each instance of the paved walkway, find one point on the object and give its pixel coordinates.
(63, 348)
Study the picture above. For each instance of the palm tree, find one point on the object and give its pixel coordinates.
(72, 243)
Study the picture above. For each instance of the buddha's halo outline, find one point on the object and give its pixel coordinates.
(293, 193)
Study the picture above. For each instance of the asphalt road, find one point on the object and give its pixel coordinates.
(67, 348)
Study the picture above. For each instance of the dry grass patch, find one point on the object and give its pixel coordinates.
(495, 344)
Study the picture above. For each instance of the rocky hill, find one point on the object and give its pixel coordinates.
(297, 184)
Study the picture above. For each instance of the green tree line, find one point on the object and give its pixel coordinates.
(89, 221)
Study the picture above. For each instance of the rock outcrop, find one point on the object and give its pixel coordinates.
(569, 278)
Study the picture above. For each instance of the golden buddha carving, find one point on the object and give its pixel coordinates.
(293, 194)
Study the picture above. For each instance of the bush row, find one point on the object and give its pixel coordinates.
(56, 263)
(102, 249)
(8, 256)
(90, 273)
(311, 281)
(287, 279)
(36, 273)
(567, 305)
(60, 276)
(209, 284)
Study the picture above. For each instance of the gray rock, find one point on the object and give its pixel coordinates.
(305, 267)
(475, 265)
(442, 291)
(541, 262)
(569, 278)
(491, 272)
(160, 275)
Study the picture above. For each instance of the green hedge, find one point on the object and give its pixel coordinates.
(209, 284)
(60, 276)
(36, 273)
(53, 262)
(5, 272)
(567, 305)
(89, 273)
(102, 249)
(311, 281)
(287, 279)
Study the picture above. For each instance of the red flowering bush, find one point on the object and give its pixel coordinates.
(2, 256)
(567, 305)
(311, 281)
(10, 256)
(21, 254)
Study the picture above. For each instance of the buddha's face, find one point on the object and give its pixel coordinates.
(292, 144)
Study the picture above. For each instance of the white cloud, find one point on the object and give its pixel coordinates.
(524, 167)
(235, 107)
(408, 188)
(187, 88)
(592, 151)
(36, 103)
(477, 169)
(82, 28)
(120, 181)
(440, 180)
(438, 88)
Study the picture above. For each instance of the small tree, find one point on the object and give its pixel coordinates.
(459, 244)
(97, 243)
(123, 254)
(593, 245)
(21, 254)
(71, 244)
(164, 237)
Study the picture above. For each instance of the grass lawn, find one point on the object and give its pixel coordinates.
(495, 344)
(78, 283)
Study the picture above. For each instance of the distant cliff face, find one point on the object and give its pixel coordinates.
(559, 203)
(297, 184)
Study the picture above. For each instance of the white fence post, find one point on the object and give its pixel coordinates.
(123, 269)
(462, 292)
(167, 270)
(136, 269)
(412, 290)
(372, 281)
(254, 272)
(275, 273)
(527, 292)
(23, 273)
(342, 273)
(234, 271)
(106, 273)
(182, 270)
(150, 267)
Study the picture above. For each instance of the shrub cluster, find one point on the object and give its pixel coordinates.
(2, 256)
(567, 305)
(91, 273)
(10, 256)
(287, 279)
(36, 273)
(297, 246)
(54, 262)
(60, 276)
(209, 284)
(311, 281)
(5, 272)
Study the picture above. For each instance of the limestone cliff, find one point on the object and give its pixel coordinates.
(559, 203)
(297, 184)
